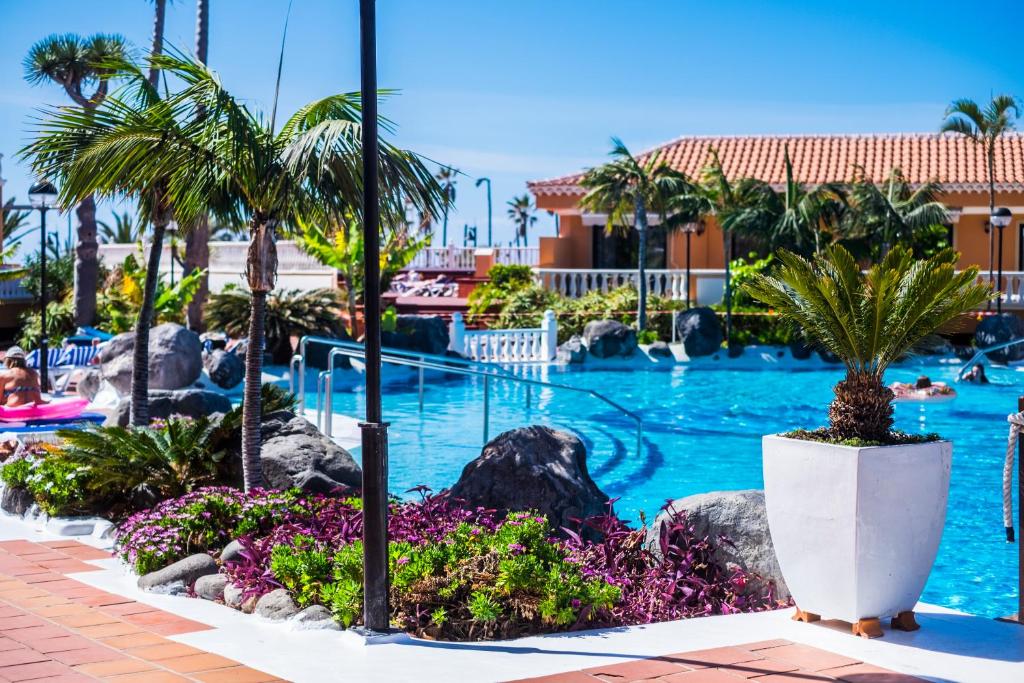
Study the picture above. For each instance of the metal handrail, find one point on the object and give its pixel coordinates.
(988, 349)
(454, 365)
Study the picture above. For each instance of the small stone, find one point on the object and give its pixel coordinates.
(659, 349)
(232, 551)
(211, 586)
(572, 351)
(184, 571)
(277, 604)
(233, 596)
(71, 527)
(316, 617)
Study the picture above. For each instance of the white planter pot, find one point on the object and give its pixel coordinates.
(856, 530)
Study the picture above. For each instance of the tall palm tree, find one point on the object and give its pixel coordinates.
(627, 187)
(197, 241)
(521, 210)
(984, 127)
(76, 64)
(159, 14)
(893, 211)
(446, 177)
(805, 217)
(115, 150)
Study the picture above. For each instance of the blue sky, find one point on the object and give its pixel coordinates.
(535, 88)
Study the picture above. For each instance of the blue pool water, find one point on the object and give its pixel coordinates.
(703, 426)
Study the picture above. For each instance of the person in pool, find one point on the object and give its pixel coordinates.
(922, 389)
(19, 383)
(976, 374)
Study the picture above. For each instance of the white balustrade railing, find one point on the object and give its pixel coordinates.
(530, 345)
(13, 291)
(1012, 287)
(444, 258)
(517, 256)
(575, 282)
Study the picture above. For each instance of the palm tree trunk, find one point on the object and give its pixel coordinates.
(252, 469)
(862, 408)
(87, 265)
(727, 246)
(350, 295)
(158, 38)
(197, 257)
(641, 265)
(139, 408)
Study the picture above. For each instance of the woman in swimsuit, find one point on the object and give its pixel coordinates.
(19, 383)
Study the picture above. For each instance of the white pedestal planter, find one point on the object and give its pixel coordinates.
(856, 530)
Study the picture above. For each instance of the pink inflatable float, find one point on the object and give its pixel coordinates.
(54, 410)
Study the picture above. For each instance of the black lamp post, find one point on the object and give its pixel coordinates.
(690, 229)
(376, 614)
(490, 235)
(1000, 218)
(42, 196)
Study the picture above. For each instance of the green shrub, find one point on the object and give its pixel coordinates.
(60, 322)
(647, 336)
(15, 474)
(503, 282)
(56, 485)
(120, 299)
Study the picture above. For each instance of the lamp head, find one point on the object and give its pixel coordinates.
(42, 195)
(1001, 217)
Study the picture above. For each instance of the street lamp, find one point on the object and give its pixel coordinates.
(42, 196)
(479, 181)
(1000, 218)
(690, 229)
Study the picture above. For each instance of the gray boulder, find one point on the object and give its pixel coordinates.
(740, 516)
(211, 586)
(572, 351)
(175, 358)
(225, 369)
(233, 596)
(16, 501)
(533, 468)
(277, 605)
(609, 338)
(316, 617)
(232, 551)
(296, 454)
(699, 331)
(89, 383)
(659, 349)
(184, 571)
(996, 329)
(163, 404)
(425, 333)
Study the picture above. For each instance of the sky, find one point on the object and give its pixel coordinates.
(531, 89)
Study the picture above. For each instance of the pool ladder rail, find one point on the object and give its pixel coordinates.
(423, 362)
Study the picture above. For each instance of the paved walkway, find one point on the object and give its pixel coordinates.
(56, 629)
(770, 661)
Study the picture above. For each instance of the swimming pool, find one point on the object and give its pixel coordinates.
(703, 424)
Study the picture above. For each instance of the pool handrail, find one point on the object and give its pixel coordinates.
(981, 352)
(444, 364)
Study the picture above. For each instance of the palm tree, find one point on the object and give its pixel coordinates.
(197, 241)
(521, 210)
(446, 178)
(160, 12)
(77, 64)
(868, 321)
(119, 149)
(804, 217)
(984, 128)
(630, 187)
(894, 211)
(126, 230)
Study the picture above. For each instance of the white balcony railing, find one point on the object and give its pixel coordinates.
(529, 345)
(668, 283)
(517, 256)
(464, 258)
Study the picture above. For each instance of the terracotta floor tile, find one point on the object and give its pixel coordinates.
(9, 644)
(93, 653)
(810, 658)
(155, 653)
(713, 657)
(759, 667)
(26, 672)
(20, 622)
(238, 674)
(570, 677)
(71, 677)
(119, 628)
(702, 676)
(148, 677)
(86, 552)
(36, 634)
(195, 663)
(800, 676)
(868, 673)
(765, 644)
(68, 565)
(126, 608)
(141, 639)
(105, 600)
(92, 618)
(36, 579)
(63, 610)
(635, 670)
(115, 667)
(60, 543)
(178, 627)
(68, 642)
(23, 655)
(17, 547)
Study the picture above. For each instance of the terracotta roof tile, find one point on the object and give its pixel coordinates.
(950, 160)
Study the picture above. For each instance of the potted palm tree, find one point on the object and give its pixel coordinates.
(856, 509)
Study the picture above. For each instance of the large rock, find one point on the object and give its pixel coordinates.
(175, 358)
(184, 572)
(211, 586)
(296, 454)
(163, 404)
(89, 383)
(277, 604)
(609, 338)
(225, 369)
(572, 351)
(659, 349)
(424, 333)
(231, 552)
(996, 329)
(699, 331)
(16, 501)
(740, 516)
(315, 617)
(533, 468)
